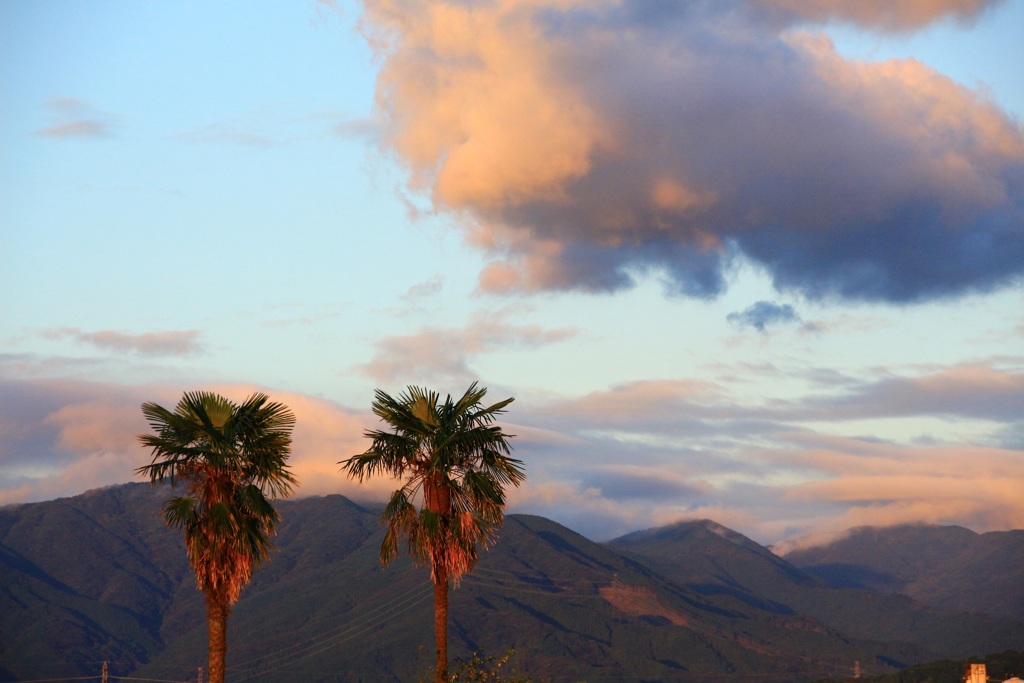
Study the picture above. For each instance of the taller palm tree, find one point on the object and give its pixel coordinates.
(231, 460)
(454, 463)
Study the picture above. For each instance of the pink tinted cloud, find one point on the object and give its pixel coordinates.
(99, 425)
(832, 454)
(84, 438)
(87, 437)
(586, 143)
(326, 433)
(980, 392)
(889, 15)
(712, 443)
(643, 404)
(486, 101)
(884, 484)
(443, 354)
(75, 119)
(634, 456)
(170, 343)
(74, 129)
(982, 398)
(967, 391)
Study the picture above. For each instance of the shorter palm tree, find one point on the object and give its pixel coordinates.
(454, 463)
(231, 459)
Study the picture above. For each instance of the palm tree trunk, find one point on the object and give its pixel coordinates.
(441, 623)
(217, 617)
(438, 499)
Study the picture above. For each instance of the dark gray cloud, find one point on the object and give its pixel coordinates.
(678, 139)
(763, 313)
(624, 485)
(964, 392)
(27, 440)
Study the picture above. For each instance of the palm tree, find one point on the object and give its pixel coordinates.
(454, 463)
(231, 459)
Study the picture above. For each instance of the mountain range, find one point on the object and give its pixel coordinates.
(98, 578)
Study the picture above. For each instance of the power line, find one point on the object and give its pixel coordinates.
(327, 645)
(356, 626)
(353, 622)
(102, 676)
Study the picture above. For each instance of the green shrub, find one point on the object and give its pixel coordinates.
(481, 668)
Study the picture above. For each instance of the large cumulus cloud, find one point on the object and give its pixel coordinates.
(584, 143)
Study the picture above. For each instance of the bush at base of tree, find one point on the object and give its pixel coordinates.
(484, 668)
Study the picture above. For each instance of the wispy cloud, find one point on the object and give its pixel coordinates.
(589, 142)
(171, 343)
(971, 391)
(366, 128)
(270, 126)
(778, 468)
(435, 354)
(223, 133)
(764, 313)
(423, 290)
(74, 118)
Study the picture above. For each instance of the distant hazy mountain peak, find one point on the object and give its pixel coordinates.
(896, 532)
(717, 528)
(701, 531)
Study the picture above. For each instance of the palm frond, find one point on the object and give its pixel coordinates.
(452, 456)
(181, 512)
(400, 517)
(231, 458)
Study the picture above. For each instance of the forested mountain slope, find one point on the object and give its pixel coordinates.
(946, 567)
(97, 577)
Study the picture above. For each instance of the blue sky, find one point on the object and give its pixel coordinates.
(749, 260)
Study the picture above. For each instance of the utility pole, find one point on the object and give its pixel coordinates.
(104, 678)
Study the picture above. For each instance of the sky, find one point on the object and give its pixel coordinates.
(757, 261)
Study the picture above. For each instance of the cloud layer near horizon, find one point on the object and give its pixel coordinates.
(62, 437)
(587, 143)
(636, 455)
